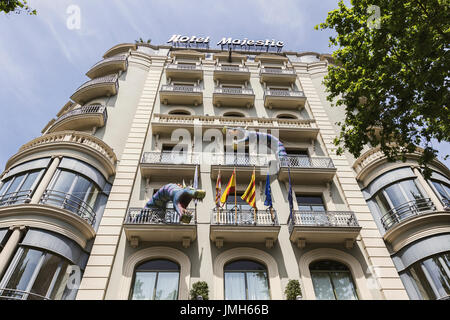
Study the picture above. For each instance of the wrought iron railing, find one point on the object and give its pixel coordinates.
(71, 203)
(406, 210)
(278, 71)
(323, 219)
(183, 66)
(13, 198)
(13, 294)
(307, 162)
(232, 69)
(179, 88)
(168, 157)
(239, 159)
(283, 93)
(446, 203)
(157, 216)
(111, 78)
(230, 216)
(111, 59)
(233, 91)
(89, 109)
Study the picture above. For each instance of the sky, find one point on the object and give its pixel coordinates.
(43, 58)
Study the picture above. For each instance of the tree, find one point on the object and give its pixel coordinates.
(142, 41)
(199, 288)
(17, 6)
(392, 75)
(293, 290)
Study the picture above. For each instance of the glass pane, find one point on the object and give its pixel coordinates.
(343, 286)
(440, 189)
(167, 286)
(382, 203)
(411, 190)
(437, 273)
(158, 265)
(63, 181)
(23, 271)
(395, 195)
(322, 286)
(15, 183)
(77, 195)
(421, 282)
(30, 181)
(304, 208)
(258, 286)
(244, 265)
(4, 186)
(45, 275)
(144, 286)
(60, 289)
(235, 286)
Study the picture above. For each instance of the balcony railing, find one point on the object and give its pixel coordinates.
(241, 217)
(168, 157)
(13, 198)
(405, 211)
(232, 69)
(323, 219)
(182, 66)
(111, 78)
(283, 93)
(239, 160)
(13, 294)
(446, 203)
(156, 216)
(277, 71)
(90, 109)
(179, 88)
(233, 91)
(108, 65)
(71, 203)
(307, 162)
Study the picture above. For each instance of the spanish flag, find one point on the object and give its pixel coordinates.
(218, 188)
(250, 194)
(231, 187)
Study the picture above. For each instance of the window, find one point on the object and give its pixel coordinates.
(234, 114)
(432, 276)
(242, 205)
(246, 280)
(310, 203)
(443, 191)
(332, 281)
(37, 275)
(156, 280)
(286, 116)
(18, 188)
(180, 112)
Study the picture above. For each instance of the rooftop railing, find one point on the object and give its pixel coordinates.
(156, 216)
(405, 211)
(180, 88)
(69, 202)
(323, 219)
(242, 217)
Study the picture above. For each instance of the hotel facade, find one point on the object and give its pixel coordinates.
(72, 217)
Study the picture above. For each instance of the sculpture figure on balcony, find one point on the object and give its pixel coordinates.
(256, 136)
(180, 197)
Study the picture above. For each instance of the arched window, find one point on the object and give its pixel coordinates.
(180, 112)
(156, 280)
(234, 114)
(246, 280)
(332, 280)
(286, 116)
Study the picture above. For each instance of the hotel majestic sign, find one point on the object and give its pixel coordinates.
(242, 44)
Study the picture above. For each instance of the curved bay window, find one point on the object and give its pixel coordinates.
(37, 275)
(432, 276)
(443, 191)
(246, 280)
(332, 280)
(156, 280)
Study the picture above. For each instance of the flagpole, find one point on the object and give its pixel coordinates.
(235, 199)
(254, 209)
(218, 203)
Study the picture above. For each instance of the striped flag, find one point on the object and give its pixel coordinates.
(231, 187)
(249, 195)
(218, 188)
(290, 199)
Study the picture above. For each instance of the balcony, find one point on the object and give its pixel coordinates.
(233, 97)
(179, 94)
(73, 140)
(323, 227)
(14, 198)
(71, 203)
(244, 226)
(278, 75)
(231, 73)
(184, 71)
(158, 226)
(300, 129)
(304, 169)
(120, 48)
(99, 87)
(83, 118)
(284, 99)
(108, 66)
(157, 164)
(244, 164)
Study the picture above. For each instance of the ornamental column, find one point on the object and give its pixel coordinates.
(10, 247)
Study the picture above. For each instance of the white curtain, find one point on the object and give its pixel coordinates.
(322, 286)
(343, 286)
(144, 285)
(258, 286)
(234, 286)
(167, 287)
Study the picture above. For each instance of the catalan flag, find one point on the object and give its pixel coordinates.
(218, 188)
(231, 187)
(249, 195)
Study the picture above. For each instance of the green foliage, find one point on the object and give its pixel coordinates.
(293, 290)
(16, 6)
(199, 288)
(394, 80)
(142, 41)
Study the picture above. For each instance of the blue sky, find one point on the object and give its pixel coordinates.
(43, 62)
